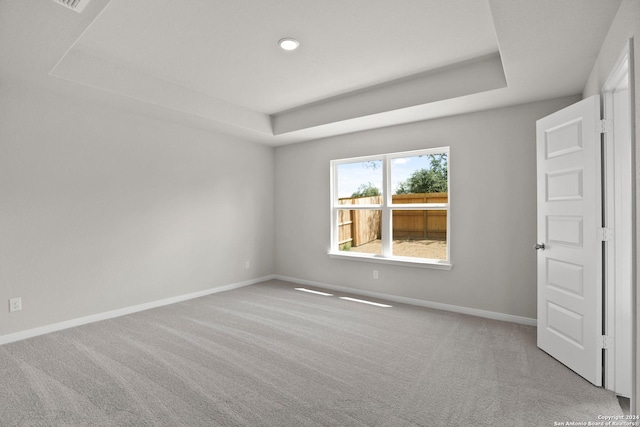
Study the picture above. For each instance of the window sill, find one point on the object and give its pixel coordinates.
(404, 261)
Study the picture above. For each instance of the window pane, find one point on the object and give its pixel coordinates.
(420, 234)
(359, 230)
(360, 179)
(420, 179)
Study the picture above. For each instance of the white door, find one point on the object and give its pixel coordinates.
(569, 226)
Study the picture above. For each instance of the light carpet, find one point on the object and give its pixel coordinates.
(269, 355)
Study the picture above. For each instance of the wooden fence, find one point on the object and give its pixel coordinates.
(420, 224)
(357, 227)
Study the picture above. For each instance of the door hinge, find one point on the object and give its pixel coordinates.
(606, 342)
(605, 234)
(605, 125)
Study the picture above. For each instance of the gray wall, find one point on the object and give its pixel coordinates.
(625, 26)
(101, 209)
(493, 210)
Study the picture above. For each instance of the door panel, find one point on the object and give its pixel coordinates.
(565, 277)
(569, 217)
(565, 185)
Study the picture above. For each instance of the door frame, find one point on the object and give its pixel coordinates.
(618, 202)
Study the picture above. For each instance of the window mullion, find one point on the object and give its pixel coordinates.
(358, 207)
(421, 206)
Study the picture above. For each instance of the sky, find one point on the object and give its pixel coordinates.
(352, 175)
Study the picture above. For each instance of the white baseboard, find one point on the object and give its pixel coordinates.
(412, 301)
(29, 333)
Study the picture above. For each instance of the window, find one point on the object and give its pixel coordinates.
(392, 208)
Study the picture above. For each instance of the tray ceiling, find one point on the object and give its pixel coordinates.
(361, 64)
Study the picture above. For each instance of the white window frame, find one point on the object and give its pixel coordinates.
(387, 206)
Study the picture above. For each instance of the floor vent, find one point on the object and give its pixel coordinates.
(76, 5)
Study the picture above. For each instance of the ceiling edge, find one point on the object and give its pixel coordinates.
(83, 68)
(465, 78)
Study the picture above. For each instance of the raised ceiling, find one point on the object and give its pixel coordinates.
(361, 64)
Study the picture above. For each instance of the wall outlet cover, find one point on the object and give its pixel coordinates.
(15, 304)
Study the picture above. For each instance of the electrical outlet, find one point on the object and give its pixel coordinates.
(15, 304)
(375, 274)
(247, 265)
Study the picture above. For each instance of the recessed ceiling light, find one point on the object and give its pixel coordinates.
(288, 43)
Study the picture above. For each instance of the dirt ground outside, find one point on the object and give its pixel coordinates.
(434, 249)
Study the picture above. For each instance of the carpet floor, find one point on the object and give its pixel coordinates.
(270, 355)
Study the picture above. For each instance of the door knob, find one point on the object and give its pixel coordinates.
(539, 246)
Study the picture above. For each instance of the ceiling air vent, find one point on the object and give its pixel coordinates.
(76, 5)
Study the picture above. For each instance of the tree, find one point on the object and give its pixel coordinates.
(366, 190)
(432, 180)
